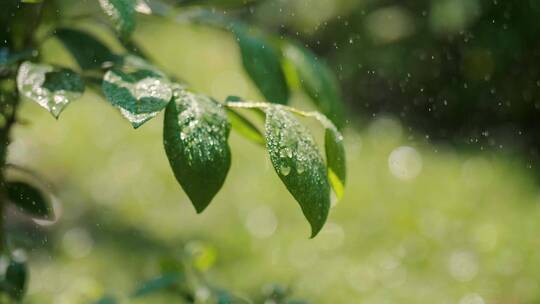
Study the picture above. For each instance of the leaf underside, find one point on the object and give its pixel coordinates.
(296, 159)
(195, 138)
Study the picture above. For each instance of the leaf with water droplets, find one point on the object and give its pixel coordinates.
(195, 137)
(51, 87)
(89, 52)
(296, 158)
(29, 199)
(138, 89)
(318, 82)
(122, 13)
(262, 62)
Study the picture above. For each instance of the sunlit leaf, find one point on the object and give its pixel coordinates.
(335, 160)
(195, 138)
(138, 89)
(262, 63)
(52, 88)
(318, 82)
(87, 50)
(296, 158)
(122, 14)
(157, 284)
(245, 127)
(29, 199)
(13, 277)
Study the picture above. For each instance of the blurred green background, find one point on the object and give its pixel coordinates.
(422, 221)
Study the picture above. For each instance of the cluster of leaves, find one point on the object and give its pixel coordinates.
(183, 276)
(196, 126)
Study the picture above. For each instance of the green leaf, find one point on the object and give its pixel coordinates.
(245, 127)
(296, 158)
(138, 89)
(106, 300)
(13, 277)
(52, 88)
(157, 284)
(29, 199)
(122, 14)
(195, 138)
(262, 63)
(89, 52)
(318, 82)
(335, 160)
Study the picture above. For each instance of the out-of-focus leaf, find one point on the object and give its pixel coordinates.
(29, 199)
(262, 63)
(245, 127)
(89, 52)
(195, 138)
(13, 277)
(157, 284)
(138, 89)
(106, 300)
(219, 3)
(296, 159)
(52, 88)
(154, 7)
(122, 14)
(318, 82)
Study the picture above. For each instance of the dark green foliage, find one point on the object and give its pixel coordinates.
(195, 137)
(88, 51)
(262, 62)
(318, 82)
(296, 159)
(13, 278)
(29, 199)
(158, 284)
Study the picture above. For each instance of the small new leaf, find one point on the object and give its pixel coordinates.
(262, 62)
(52, 88)
(318, 82)
(296, 158)
(122, 14)
(29, 199)
(195, 138)
(138, 89)
(89, 52)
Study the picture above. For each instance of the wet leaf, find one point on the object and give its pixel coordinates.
(89, 52)
(122, 14)
(51, 87)
(195, 138)
(157, 284)
(29, 199)
(262, 63)
(14, 275)
(318, 82)
(245, 127)
(296, 158)
(138, 89)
